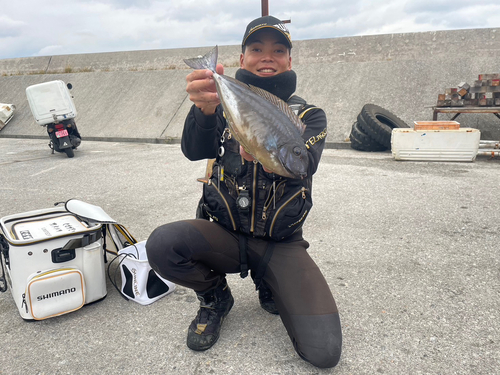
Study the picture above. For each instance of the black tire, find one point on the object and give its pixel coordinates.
(378, 123)
(363, 140)
(361, 144)
(69, 152)
(357, 145)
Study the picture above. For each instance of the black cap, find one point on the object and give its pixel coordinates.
(267, 22)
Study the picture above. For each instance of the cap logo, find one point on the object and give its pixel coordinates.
(271, 23)
(279, 26)
(256, 27)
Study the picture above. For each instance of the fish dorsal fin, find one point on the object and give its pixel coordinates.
(282, 106)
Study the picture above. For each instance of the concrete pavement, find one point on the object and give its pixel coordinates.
(409, 249)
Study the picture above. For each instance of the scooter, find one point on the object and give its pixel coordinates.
(64, 137)
(63, 134)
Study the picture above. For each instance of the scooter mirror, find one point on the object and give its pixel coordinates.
(69, 86)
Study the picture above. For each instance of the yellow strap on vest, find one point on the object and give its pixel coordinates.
(307, 110)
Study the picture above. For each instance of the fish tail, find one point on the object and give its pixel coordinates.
(209, 61)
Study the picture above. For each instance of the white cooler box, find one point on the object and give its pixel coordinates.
(6, 113)
(50, 101)
(53, 260)
(435, 145)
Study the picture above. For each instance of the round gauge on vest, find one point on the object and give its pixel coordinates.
(243, 200)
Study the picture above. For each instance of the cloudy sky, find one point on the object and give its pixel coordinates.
(59, 27)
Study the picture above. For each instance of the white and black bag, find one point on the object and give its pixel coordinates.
(139, 282)
(53, 259)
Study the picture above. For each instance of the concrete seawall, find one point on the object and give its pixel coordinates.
(140, 95)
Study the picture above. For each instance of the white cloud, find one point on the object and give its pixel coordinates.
(33, 27)
(10, 27)
(50, 50)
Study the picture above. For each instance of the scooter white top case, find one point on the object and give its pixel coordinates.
(50, 101)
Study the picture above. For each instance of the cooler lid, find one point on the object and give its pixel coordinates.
(89, 211)
(42, 229)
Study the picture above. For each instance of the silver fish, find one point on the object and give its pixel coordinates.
(261, 122)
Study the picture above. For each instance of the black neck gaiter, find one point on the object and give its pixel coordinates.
(282, 85)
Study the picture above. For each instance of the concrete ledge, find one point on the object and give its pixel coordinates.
(141, 94)
(170, 141)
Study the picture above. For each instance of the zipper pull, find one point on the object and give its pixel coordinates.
(24, 302)
(303, 193)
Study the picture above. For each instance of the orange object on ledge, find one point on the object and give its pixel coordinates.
(436, 125)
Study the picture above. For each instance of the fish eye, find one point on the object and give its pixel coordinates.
(297, 151)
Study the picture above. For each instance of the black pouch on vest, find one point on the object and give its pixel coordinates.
(214, 206)
(290, 214)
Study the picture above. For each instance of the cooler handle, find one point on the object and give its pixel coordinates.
(4, 250)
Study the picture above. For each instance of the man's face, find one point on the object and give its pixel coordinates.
(266, 54)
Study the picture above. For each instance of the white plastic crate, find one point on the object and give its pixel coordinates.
(435, 145)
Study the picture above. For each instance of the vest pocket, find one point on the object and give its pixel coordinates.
(290, 215)
(216, 207)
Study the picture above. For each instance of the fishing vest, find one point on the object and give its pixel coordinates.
(241, 196)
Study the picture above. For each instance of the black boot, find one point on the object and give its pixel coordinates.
(205, 328)
(266, 299)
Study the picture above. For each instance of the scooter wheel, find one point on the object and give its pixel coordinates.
(69, 152)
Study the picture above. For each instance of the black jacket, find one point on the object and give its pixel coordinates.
(278, 205)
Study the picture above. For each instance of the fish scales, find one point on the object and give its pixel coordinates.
(263, 124)
(241, 115)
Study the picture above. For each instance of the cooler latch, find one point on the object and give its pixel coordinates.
(86, 240)
(63, 255)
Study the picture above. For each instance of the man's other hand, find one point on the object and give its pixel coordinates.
(245, 155)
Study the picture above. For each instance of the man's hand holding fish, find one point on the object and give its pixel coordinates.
(245, 155)
(202, 91)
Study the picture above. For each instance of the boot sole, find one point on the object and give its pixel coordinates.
(270, 310)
